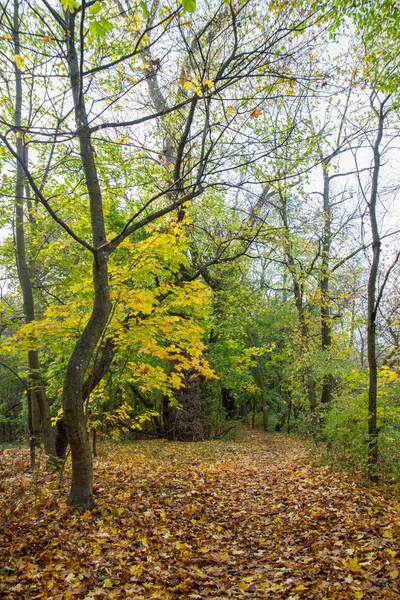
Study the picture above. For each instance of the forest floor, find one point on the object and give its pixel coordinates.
(252, 518)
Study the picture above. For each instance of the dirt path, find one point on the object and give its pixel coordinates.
(245, 519)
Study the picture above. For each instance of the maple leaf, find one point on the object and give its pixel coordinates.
(255, 113)
(354, 566)
(175, 520)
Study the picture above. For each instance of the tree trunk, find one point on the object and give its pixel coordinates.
(328, 381)
(32, 449)
(38, 399)
(185, 424)
(304, 334)
(228, 403)
(372, 306)
(81, 493)
(265, 418)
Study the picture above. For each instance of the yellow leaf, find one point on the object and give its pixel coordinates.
(136, 569)
(19, 60)
(124, 139)
(188, 85)
(358, 594)
(300, 588)
(208, 82)
(354, 566)
(180, 546)
(394, 574)
(6, 37)
(230, 110)
(107, 583)
(388, 534)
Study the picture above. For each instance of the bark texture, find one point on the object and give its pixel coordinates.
(372, 304)
(185, 425)
(81, 493)
(326, 326)
(39, 406)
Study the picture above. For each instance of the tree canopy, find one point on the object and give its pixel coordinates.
(199, 224)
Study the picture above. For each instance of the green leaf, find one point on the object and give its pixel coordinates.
(189, 5)
(106, 25)
(145, 9)
(95, 9)
(96, 30)
(71, 5)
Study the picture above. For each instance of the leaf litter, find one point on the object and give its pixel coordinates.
(253, 518)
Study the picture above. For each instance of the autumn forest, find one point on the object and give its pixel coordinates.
(200, 299)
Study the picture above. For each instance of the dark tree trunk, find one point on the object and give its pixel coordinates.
(94, 442)
(372, 305)
(185, 424)
(328, 381)
(38, 400)
(32, 449)
(81, 493)
(61, 439)
(228, 403)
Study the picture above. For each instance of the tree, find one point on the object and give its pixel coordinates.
(92, 65)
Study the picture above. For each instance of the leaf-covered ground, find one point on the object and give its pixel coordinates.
(246, 519)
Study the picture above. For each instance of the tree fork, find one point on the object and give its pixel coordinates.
(81, 493)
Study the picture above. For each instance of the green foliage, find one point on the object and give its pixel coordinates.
(189, 5)
(345, 429)
(345, 425)
(145, 10)
(71, 5)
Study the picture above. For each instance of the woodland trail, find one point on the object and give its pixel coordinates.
(246, 519)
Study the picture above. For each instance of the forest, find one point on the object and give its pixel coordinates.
(199, 237)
